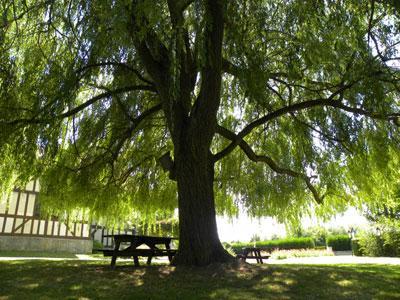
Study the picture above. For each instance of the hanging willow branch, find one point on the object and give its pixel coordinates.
(270, 162)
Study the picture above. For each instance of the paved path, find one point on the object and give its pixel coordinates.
(36, 258)
(81, 257)
(78, 257)
(341, 259)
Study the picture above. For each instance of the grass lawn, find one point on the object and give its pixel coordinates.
(36, 254)
(95, 280)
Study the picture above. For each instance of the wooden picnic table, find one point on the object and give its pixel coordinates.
(152, 242)
(253, 253)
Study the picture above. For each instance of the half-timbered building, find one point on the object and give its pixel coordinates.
(23, 228)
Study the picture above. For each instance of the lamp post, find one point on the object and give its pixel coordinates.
(378, 231)
(351, 233)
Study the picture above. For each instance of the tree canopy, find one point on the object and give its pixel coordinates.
(292, 104)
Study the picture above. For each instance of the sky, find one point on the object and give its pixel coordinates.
(244, 227)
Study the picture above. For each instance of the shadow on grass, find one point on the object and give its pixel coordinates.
(37, 254)
(95, 280)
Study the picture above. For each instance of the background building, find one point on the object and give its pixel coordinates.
(23, 228)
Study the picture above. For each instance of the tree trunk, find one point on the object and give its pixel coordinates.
(199, 243)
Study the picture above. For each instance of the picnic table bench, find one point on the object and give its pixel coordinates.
(134, 242)
(252, 253)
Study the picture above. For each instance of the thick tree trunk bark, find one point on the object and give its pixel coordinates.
(192, 123)
(199, 243)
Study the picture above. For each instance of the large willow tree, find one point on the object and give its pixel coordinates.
(277, 106)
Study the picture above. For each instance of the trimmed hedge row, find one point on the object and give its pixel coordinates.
(289, 243)
(339, 242)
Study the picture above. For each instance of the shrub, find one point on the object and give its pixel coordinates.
(97, 246)
(228, 248)
(386, 244)
(289, 243)
(339, 242)
(391, 242)
(356, 248)
(370, 244)
(319, 233)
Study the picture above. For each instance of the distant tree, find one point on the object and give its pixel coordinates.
(280, 107)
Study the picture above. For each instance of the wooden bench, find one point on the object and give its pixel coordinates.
(252, 253)
(135, 253)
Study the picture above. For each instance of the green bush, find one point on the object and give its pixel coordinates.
(318, 233)
(339, 242)
(356, 248)
(370, 244)
(386, 244)
(228, 248)
(97, 245)
(289, 243)
(391, 242)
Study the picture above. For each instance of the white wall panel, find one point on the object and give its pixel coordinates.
(13, 203)
(78, 230)
(63, 229)
(85, 230)
(56, 225)
(29, 186)
(21, 206)
(3, 205)
(9, 224)
(18, 222)
(42, 227)
(27, 227)
(31, 205)
(35, 226)
(37, 188)
(49, 227)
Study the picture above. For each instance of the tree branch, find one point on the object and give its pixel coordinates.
(116, 64)
(230, 68)
(269, 161)
(105, 95)
(206, 105)
(135, 123)
(18, 17)
(394, 117)
(371, 18)
(151, 50)
(329, 138)
(79, 108)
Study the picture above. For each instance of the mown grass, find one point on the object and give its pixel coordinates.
(95, 280)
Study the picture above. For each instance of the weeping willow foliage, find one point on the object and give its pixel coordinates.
(72, 88)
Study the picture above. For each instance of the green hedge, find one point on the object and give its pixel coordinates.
(355, 247)
(386, 244)
(289, 243)
(339, 242)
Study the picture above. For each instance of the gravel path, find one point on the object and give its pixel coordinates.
(341, 259)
